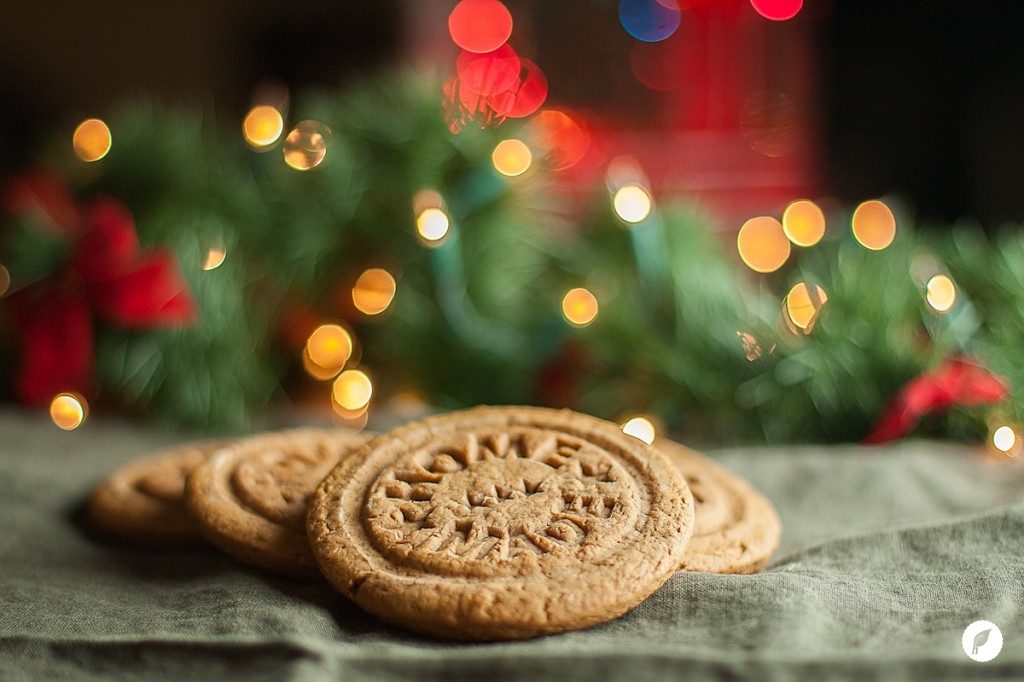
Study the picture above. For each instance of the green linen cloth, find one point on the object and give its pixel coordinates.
(887, 555)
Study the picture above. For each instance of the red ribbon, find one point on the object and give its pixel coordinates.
(107, 276)
(958, 381)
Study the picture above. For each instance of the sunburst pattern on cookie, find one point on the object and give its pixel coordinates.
(499, 496)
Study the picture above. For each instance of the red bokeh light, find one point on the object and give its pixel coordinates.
(777, 10)
(531, 93)
(480, 25)
(490, 73)
(565, 138)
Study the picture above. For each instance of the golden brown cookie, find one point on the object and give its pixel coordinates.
(736, 529)
(501, 523)
(142, 501)
(250, 498)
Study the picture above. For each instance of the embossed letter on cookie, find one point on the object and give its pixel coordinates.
(501, 523)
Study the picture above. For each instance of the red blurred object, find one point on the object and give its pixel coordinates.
(107, 276)
(958, 381)
(480, 25)
(531, 92)
(777, 10)
(490, 73)
(564, 137)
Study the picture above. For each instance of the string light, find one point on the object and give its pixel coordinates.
(511, 157)
(68, 411)
(373, 291)
(432, 225)
(329, 347)
(762, 244)
(632, 203)
(352, 390)
(640, 428)
(1004, 439)
(874, 225)
(306, 145)
(214, 258)
(262, 126)
(579, 307)
(5, 280)
(777, 10)
(940, 293)
(802, 307)
(804, 223)
(91, 140)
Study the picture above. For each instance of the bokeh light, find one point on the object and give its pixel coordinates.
(262, 126)
(306, 145)
(316, 371)
(374, 291)
(352, 390)
(632, 203)
(531, 92)
(579, 307)
(5, 280)
(68, 411)
(1004, 439)
(426, 198)
(480, 25)
(512, 157)
(804, 223)
(777, 10)
(649, 20)
(940, 293)
(640, 428)
(804, 304)
(329, 347)
(214, 257)
(874, 225)
(489, 73)
(564, 138)
(91, 140)
(432, 225)
(763, 244)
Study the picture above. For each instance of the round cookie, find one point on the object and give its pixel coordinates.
(142, 500)
(501, 523)
(736, 529)
(250, 498)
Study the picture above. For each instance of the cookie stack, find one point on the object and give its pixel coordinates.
(491, 523)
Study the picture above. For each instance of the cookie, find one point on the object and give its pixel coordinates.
(250, 498)
(142, 501)
(736, 529)
(501, 523)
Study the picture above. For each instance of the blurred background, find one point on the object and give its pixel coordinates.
(610, 260)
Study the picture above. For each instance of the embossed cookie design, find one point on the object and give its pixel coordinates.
(141, 502)
(501, 523)
(736, 529)
(250, 498)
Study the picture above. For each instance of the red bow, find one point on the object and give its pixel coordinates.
(958, 381)
(107, 276)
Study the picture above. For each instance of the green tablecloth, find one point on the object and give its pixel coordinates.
(887, 555)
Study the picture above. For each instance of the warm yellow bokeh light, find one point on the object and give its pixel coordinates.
(432, 224)
(804, 223)
(579, 307)
(316, 371)
(874, 225)
(426, 198)
(352, 390)
(802, 307)
(5, 280)
(91, 140)
(763, 244)
(632, 203)
(306, 145)
(373, 291)
(68, 411)
(214, 257)
(640, 428)
(1004, 438)
(940, 293)
(329, 347)
(512, 157)
(262, 126)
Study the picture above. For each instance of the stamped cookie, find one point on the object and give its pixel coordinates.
(142, 501)
(736, 528)
(501, 523)
(250, 498)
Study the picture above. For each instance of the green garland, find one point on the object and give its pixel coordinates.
(685, 332)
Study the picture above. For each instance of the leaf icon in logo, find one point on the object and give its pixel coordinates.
(980, 639)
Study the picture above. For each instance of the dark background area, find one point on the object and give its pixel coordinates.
(920, 99)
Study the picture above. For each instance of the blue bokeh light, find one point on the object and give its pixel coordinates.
(649, 20)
